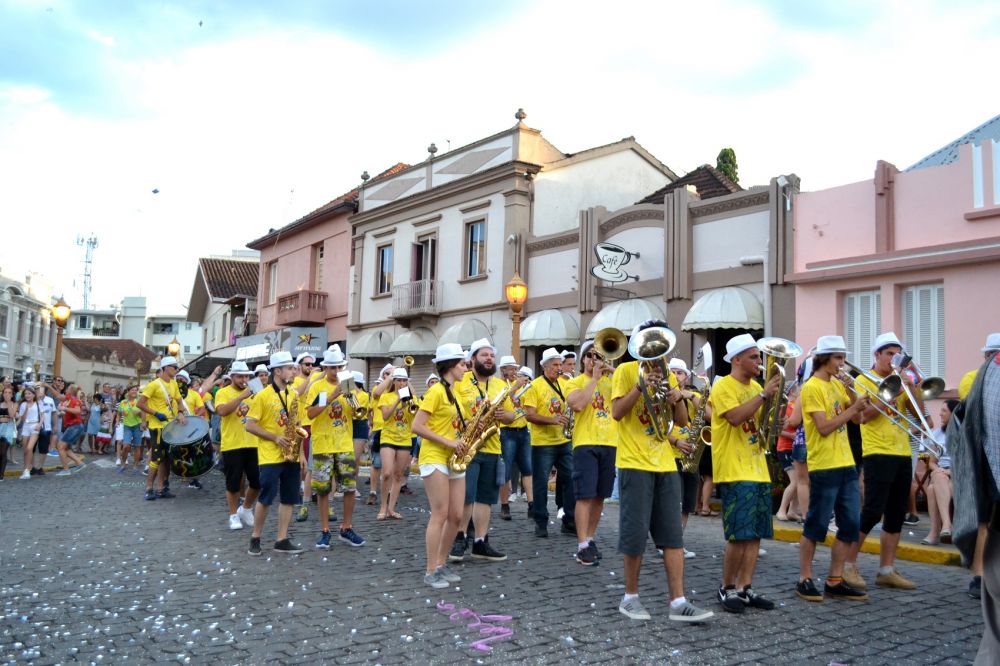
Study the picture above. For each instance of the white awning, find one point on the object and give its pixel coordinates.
(466, 332)
(418, 342)
(374, 344)
(728, 307)
(624, 315)
(549, 327)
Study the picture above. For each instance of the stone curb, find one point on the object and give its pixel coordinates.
(910, 552)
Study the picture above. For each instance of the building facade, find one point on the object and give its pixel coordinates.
(224, 303)
(27, 330)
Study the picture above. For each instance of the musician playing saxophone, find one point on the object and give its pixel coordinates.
(514, 440)
(740, 467)
(689, 480)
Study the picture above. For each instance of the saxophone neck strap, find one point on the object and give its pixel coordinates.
(451, 399)
(555, 387)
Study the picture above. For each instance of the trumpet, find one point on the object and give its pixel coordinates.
(408, 361)
(610, 344)
(930, 388)
(650, 347)
(776, 352)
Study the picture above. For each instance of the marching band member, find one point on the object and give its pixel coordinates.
(304, 378)
(569, 364)
(397, 438)
(262, 373)
(384, 382)
(239, 448)
(833, 478)
(431, 380)
(359, 426)
(195, 406)
(595, 443)
(965, 385)
(739, 462)
(514, 441)
(689, 480)
(161, 400)
(440, 424)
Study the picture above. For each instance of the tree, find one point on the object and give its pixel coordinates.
(726, 163)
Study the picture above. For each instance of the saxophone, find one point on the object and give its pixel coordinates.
(570, 421)
(293, 433)
(478, 431)
(699, 435)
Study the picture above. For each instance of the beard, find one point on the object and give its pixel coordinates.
(484, 371)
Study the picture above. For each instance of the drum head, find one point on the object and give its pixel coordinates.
(195, 429)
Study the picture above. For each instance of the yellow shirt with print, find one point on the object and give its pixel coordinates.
(738, 452)
(593, 425)
(473, 396)
(443, 419)
(156, 393)
(396, 429)
(377, 420)
(332, 429)
(685, 432)
(194, 401)
(517, 403)
(546, 402)
(234, 433)
(965, 385)
(364, 401)
(834, 450)
(304, 419)
(268, 411)
(638, 447)
(880, 436)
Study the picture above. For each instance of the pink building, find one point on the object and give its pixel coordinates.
(915, 251)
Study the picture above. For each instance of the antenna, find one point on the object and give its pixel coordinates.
(88, 262)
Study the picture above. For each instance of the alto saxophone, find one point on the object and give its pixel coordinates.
(294, 433)
(478, 431)
(699, 435)
(570, 420)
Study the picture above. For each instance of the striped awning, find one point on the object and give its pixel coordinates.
(728, 307)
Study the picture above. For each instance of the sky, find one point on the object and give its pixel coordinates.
(173, 130)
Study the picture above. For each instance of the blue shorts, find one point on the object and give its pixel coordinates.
(481, 485)
(280, 480)
(72, 434)
(516, 446)
(799, 452)
(593, 471)
(132, 435)
(746, 510)
(834, 491)
(360, 429)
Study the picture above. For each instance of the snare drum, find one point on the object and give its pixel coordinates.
(191, 454)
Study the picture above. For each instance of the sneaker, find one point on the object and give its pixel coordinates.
(593, 548)
(26, 474)
(633, 610)
(531, 510)
(482, 550)
(568, 528)
(444, 572)
(254, 548)
(844, 591)
(323, 543)
(806, 589)
(121, 470)
(234, 522)
(40, 472)
(246, 516)
(754, 600)
(853, 577)
(351, 538)
(505, 512)
(911, 519)
(34, 471)
(77, 468)
(405, 490)
(976, 587)
(761, 552)
(302, 514)
(730, 600)
(150, 495)
(688, 612)
(371, 499)
(165, 494)
(541, 531)
(688, 555)
(896, 580)
(63, 472)
(586, 557)
(435, 580)
(286, 547)
(195, 483)
(118, 462)
(457, 553)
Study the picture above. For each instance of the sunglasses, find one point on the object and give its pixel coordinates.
(308, 365)
(590, 355)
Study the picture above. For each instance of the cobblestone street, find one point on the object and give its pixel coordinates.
(91, 573)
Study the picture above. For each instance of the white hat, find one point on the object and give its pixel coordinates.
(227, 376)
(303, 356)
(885, 340)
(386, 368)
(183, 374)
(467, 356)
(281, 359)
(400, 373)
(481, 343)
(333, 357)
(259, 369)
(359, 377)
(451, 351)
(526, 371)
(240, 368)
(427, 381)
(992, 343)
(830, 344)
(679, 364)
(334, 347)
(506, 360)
(738, 345)
(167, 361)
(585, 347)
(549, 355)
(566, 353)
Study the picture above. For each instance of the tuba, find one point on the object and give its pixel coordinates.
(776, 352)
(294, 433)
(477, 431)
(650, 348)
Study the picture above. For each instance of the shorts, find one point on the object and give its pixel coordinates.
(119, 432)
(159, 450)
(377, 440)
(238, 462)
(72, 435)
(593, 471)
(746, 510)
(481, 485)
(307, 445)
(689, 491)
(785, 460)
(330, 467)
(650, 505)
(360, 429)
(516, 446)
(28, 429)
(42, 445)
(833, 491)
(405, 448)
(705, 464)
(280, 480)
(428, 469)
(887, 492)
(799, 452)
(132, 435)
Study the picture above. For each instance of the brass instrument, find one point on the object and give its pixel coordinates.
(930, 387)
(570, 415)
(413, 405)
(776, 352)
(408, 361)
(478, 431)
(886, 393)
(610, 344)
(650, 347)
(522, 390)
(294, 433)
(347, 389)
(700, 435)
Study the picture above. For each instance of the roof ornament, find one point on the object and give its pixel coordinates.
(364, 176)
(520, 115)
(432, 149)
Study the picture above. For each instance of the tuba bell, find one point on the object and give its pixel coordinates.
(650, 348)
(610, 343)
(776, 352)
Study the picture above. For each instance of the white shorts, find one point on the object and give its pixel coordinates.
(119, 433)
(29, 429)
(427, 470)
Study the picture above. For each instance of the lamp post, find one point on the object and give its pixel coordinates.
(61, 314)
(174, 347)
(516, 292)
(139, 371)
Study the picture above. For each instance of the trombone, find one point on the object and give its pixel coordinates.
(930, 387)
(610, 344)
(887, 390)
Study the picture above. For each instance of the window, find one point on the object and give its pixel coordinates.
(4, 313)
(862, 319)
(923, 327)
(272, 282)
(187, 349)
(423, 265)
(82, 322)
(223, 334)
(31, 328)
(318, 252)
(187, 326)
(164, 328)
(383, 281)
(475, 248)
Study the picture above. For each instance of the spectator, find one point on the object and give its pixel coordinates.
(72, 410)
(8, 427)
(941, 481)
(29, 421)
(92, 408)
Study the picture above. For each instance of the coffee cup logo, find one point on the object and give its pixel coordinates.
(612, 257)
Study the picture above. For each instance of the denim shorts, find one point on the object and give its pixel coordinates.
(516, 446)
(280, 480)
(834, 491)
(360, 429)
(72, 434)
(132, 435)
(481, 485)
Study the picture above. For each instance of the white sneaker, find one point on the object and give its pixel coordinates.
(118, 462)
(245, 515)
(688, 554)
(761, 552)
(234, 522)
(26, 474)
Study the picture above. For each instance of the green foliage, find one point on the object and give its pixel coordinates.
(726, 163)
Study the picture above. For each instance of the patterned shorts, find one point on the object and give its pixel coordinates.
(327, 467)
(746, 510)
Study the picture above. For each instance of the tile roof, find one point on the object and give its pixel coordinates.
(710, 183)
(125, 352)
(988, 130)
(225, 278)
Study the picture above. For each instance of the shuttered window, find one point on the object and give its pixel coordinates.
(862, 323)
(923, 326)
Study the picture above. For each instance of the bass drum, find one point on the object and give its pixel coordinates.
(191, 453)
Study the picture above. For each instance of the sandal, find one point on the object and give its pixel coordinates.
(928, 542)
(705, 512)
(371, 499)
(380, 516)
(395, 516)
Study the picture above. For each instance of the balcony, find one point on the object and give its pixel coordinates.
(302, 308)
(105, 331)
(22, 349)
(416, 299)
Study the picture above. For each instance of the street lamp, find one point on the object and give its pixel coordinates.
(516, 292)
(174, 347)
(61, 314)
(140, 370)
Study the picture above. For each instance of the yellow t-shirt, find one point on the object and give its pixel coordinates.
(880, 436)
(444, 421)
(593, 425)
(473, 398)
(304, 419)
(234, 434)
(363, 399)
(156, 393)
(546, 402)
(517, 404)
(194, 401)
(834, 450)
(269, 413)
(965, 385)
(332, 429)
(638, 447)
(396, 429)
(377, 420)
(738, 452)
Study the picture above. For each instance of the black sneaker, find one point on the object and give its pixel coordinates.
(754, 600)
(593, 549)
(195, 483)
(730, 600)
(976, 587)
(165, 494)
(482, 550)
(150, 495)
(531, 509)
(586, 556)
(41, 472)
(568, 528)
(505, 512)
(458, 548)
(911, 519)
(33, 472)
(541, 531)
(254, 548)
(286, 547)
(806, 589)
(844, 591)
(405, 490)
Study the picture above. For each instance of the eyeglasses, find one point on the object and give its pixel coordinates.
(590, 355)
(308, 365)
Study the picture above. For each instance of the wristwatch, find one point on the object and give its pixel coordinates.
(762, 396)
